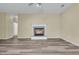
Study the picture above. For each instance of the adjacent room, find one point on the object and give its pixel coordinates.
(39, 28)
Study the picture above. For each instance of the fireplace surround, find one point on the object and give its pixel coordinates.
(39, 31)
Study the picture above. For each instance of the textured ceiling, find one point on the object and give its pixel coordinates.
(25, 8)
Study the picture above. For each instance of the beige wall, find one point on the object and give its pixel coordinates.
(5, 26)
(26, 21)
(70, 24)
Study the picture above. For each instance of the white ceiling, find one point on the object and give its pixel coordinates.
(25, 8)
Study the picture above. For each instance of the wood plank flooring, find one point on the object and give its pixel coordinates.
(37, 47)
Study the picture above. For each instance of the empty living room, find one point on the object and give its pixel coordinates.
(39, 29)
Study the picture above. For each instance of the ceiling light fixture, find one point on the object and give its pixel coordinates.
(36, 4)
(62, 6)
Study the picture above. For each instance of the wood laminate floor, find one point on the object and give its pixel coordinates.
(37, 47)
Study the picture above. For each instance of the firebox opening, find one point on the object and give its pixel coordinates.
(39, 32)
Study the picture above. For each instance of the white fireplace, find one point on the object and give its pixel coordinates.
(39, 32)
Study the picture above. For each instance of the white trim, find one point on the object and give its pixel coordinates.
(3, 38)
(23, 37)
(6, 38)
(70, 41)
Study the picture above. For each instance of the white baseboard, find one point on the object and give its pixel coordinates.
(6, 38)
(23, 37)
(66, 39)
